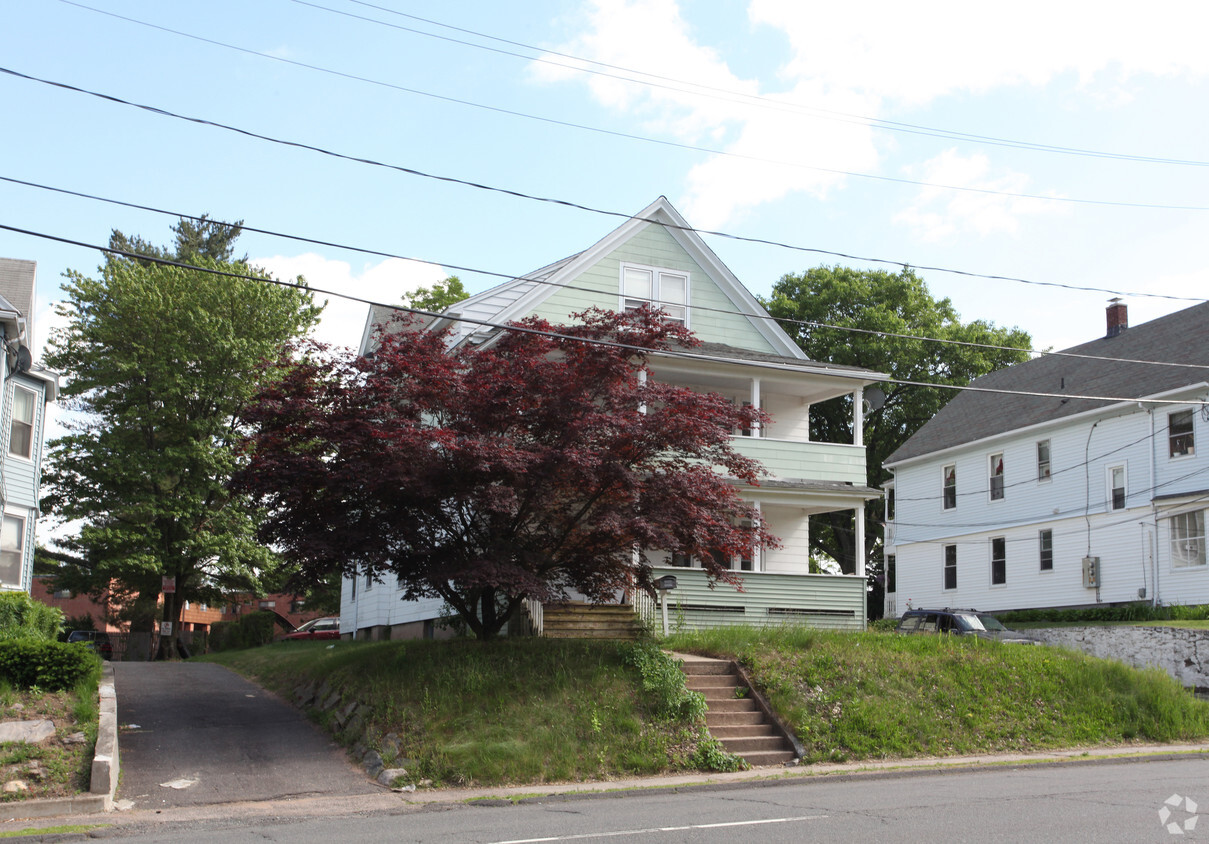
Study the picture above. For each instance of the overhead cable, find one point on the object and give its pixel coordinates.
(823, 367)
(569, 204)
(511, 277)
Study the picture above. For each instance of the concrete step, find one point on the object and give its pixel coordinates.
(733, 719)
(758, 759)
(753, 744)
(701, 682)
(738, 731)
(732, 704)
(699, 667)
(738, 723)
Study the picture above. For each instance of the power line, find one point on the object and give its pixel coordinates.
(823, 366)
(578, 206)
(729, 95)
(635, 137)
(512, 277)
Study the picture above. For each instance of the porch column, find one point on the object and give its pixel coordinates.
(860, 540)
(642, 382)
(858, 416)
(755, 402)
(757, 552)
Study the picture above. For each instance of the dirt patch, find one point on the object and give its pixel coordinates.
(58, 766)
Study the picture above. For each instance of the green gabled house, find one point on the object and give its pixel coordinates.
(656, 258)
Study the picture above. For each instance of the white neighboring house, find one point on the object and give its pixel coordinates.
(25, 390)
(654, 258)
(1006, 501)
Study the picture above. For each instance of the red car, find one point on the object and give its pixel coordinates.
(317, 628)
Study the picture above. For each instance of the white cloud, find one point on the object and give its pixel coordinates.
(937, 213)
(343, 321)
(872, 59)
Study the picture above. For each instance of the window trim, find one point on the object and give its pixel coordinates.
(1044, 467)
(1045, 555)
(21, 520)
(1111, 501)
(999, 543)
(32, 423)
(949, 567)
(948, 491)
(656, 300)
(1172, 437)
(995, 491)
(1189, 536)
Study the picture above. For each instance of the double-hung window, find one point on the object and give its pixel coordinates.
(21, 432)
(1043, 468)
(660, 289)
(1116, 488)
(950, 486)
(996, 475)
(12, 551)
(1179, 434)
(1047, 550)
(950, 571)
(1188, 539)
(998, 561)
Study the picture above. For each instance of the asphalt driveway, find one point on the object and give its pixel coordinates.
(195, 733)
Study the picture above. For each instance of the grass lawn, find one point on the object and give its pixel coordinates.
(536, 710)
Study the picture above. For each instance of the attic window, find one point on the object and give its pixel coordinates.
(666, 290)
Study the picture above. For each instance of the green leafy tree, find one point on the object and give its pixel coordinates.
(438, 297)
(890, 303)
(160, 363)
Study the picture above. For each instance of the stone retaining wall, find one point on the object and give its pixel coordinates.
(1182, 653)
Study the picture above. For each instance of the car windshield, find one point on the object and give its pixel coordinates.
(989, 622)
(969, 621)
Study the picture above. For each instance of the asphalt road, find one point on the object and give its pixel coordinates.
(196, 733)
(1108, 801)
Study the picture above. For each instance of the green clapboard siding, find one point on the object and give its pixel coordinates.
(816, 600)
(805, 461)
(654, 247)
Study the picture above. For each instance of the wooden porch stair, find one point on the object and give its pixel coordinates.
(739, 723)
(590, 621)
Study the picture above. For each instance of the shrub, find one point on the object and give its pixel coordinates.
(251, 631)
(1135, 611)
(663, 680)
(23, 617)
(49, 665)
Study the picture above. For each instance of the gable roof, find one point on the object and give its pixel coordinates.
(514, 299)
(1181, 337)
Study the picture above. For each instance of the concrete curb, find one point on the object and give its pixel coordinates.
(104, 778)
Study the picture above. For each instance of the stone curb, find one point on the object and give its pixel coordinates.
(104, 778)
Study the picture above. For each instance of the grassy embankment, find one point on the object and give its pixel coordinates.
(531, 711)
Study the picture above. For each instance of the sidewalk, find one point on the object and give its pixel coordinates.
(388, 801)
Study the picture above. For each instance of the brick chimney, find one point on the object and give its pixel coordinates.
(1118, 317)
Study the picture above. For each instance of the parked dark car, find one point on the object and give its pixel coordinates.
(94, 641)
(317, 628)
(960, 623)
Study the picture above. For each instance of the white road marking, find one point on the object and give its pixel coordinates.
(653, 829)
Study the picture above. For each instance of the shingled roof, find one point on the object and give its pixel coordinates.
(1181, 337)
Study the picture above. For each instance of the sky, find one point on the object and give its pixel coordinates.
(1060, 144)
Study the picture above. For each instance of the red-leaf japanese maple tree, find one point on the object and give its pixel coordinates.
(535, 463)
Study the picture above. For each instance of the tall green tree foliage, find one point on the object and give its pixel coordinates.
(891, 303)
(438, 297)
(160, 363)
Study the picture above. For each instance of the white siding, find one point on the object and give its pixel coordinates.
(1075, 503)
